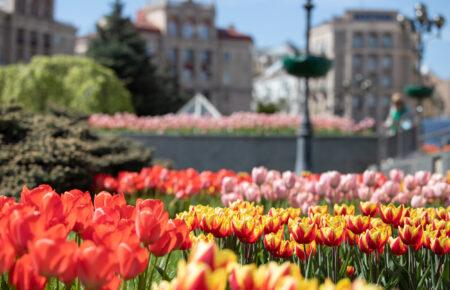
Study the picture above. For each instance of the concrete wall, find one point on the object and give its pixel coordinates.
(438, 163)
(346, 154)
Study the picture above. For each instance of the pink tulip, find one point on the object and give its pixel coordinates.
(272, 175)
(289, 179)
(348, 182)
(229, 198)
(418, 201)
(228, 184)
(422, 177)
(410, 182)
(370, 178)
(280, 189)
(334, 179)
(396, 175)
(253, 194)
(259, 175)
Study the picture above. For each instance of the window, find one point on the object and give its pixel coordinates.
(35, 8)
(372, 40)
(188, 56)
(372, 63)
(227, 56)
(387, 62)
(358, 40)
(188, 65)
(226, 78)
(205, 63)
(33, 43)
(172, 58)
(357, 62)
(187, 75)
(48, 9)
(21, 7)
(47, 43)
(172, 28)
(388, 42)
(386, 81)
(203, 31)
(20, 36)
(188, 30)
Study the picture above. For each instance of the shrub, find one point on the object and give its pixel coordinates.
(59, 149)
(77, 84)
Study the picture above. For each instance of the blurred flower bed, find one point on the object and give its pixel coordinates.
(182, 188)
(237, 124)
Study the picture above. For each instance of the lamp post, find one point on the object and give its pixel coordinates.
(304, 142)
(420, 25)
(306, 66)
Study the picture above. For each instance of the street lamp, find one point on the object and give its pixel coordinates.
(420, 25)
(306, 66)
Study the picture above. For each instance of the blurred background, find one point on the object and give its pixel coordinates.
(305, 85)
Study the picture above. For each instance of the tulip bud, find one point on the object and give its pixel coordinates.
(259, 175)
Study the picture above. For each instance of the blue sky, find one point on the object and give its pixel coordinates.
(272, 22)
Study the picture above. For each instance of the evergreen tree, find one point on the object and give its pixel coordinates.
(118, 45)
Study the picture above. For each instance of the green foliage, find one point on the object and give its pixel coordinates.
(75, 83)
(119, 46)
(269, 107)
(60, 150)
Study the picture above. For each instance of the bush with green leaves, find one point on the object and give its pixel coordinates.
(60, 150)
(77, 84)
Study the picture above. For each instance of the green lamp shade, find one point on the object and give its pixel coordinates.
(307, 66)
(418, 91)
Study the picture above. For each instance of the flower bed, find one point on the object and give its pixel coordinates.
(237, 124)
(274, 188)
(70, 240)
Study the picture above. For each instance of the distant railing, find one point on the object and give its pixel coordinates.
(403, 143)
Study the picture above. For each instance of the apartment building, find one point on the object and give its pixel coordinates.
(373, 58)
(183, 40)
(28, 28)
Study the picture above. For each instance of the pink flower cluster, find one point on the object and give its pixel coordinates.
(238, 123)
(308, 190)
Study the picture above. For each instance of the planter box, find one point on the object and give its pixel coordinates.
(241, 153)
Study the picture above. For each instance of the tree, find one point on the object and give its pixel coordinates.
(76, 84)
(119, 46)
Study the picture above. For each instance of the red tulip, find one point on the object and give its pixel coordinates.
(24, 276)
(410, 235)
(303, 231)
(96, 265)
(132, 260)
(440, 245)
(350, 271)
(151, 220)
(22, 228)
(7, 255)
(54, 258)
(398, 248)
(391, 214)
(78, 209)
(357, 224)
(368, 208)
(174, 236)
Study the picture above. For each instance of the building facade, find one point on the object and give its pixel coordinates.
(373, 58)
(28, 28)
(183, 40)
